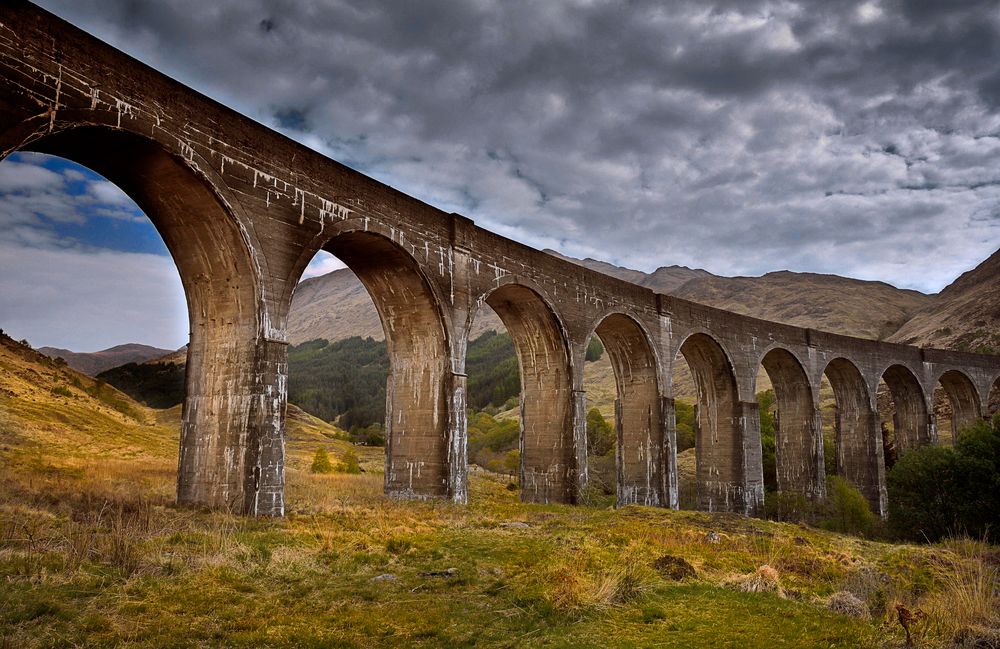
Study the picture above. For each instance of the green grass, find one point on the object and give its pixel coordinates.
(94, 553)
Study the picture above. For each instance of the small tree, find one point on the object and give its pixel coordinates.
(349, 463)
(594, 350)
(321, 462)
(512, 462)
(847, 509)
(600, 435)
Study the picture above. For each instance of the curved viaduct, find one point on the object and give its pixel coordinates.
(243, 210)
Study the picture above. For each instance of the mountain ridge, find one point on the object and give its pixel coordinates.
(93, 363)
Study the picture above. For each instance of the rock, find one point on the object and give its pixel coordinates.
(520, 525)
(712, 537)
(450, 572)
(385, 577)
(675, 568)
(847, 603)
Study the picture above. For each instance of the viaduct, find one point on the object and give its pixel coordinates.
(244, 209)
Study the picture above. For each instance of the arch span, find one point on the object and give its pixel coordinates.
(550, 468)
(858, 434)
(910, 421)
(727, 435)
(963, 398)
(642, 448)
(798, 428)
(231, 447)
(422, 459)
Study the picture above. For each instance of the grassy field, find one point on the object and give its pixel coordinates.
(94, 553)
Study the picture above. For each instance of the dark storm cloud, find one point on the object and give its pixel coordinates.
(856, 138)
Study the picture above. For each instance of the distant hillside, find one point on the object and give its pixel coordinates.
(93, 363)
(826, 302)
(665, 279)
(337, 306)
(964, 316)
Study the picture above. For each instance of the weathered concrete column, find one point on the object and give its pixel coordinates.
(231, 447)
(668, 454)
(860, 457)
(458, 441)
(552, 470)
(748, 494)
(264, 487)
(640, 453)
(581, 467)
(798, 433)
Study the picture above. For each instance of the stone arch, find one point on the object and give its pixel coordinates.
(641, 450)
(798, 428)
(963, 399)
(422, 457)
(231, 450)
(993, 398)
(858, 436)
(550, 468)
(911, 422)
(728, 465)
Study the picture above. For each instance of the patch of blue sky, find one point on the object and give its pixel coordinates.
(106, 218)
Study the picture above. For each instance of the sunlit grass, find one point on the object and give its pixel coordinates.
(94, 553)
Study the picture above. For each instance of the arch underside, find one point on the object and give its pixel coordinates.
(798, 427)
(860, 457)
(724, 482)
(910, 420)
(963, 398)
(641, 448)
(417, 457)
(549, 466)
(231, 450)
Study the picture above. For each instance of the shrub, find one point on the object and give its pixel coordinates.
(787, 506)
(846, 510)
(600, 434)
(684, 417)
(62, 391)
(348, 463)
(594, 350)
(321, 462)
(935, 491)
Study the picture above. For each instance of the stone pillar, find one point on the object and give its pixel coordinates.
(668, 454)
(749, 491)
(231, 447)
(818, 487)
(860, 457)
(799, 449)
(640, 452)
(581, 469)
(264, 487)
(458, 437)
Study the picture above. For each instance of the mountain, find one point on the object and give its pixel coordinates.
(965, 315)
(665, 279)
(827, 302)
(93, 363)
(337, 306)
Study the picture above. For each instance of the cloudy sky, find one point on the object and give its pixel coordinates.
(857, 138)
